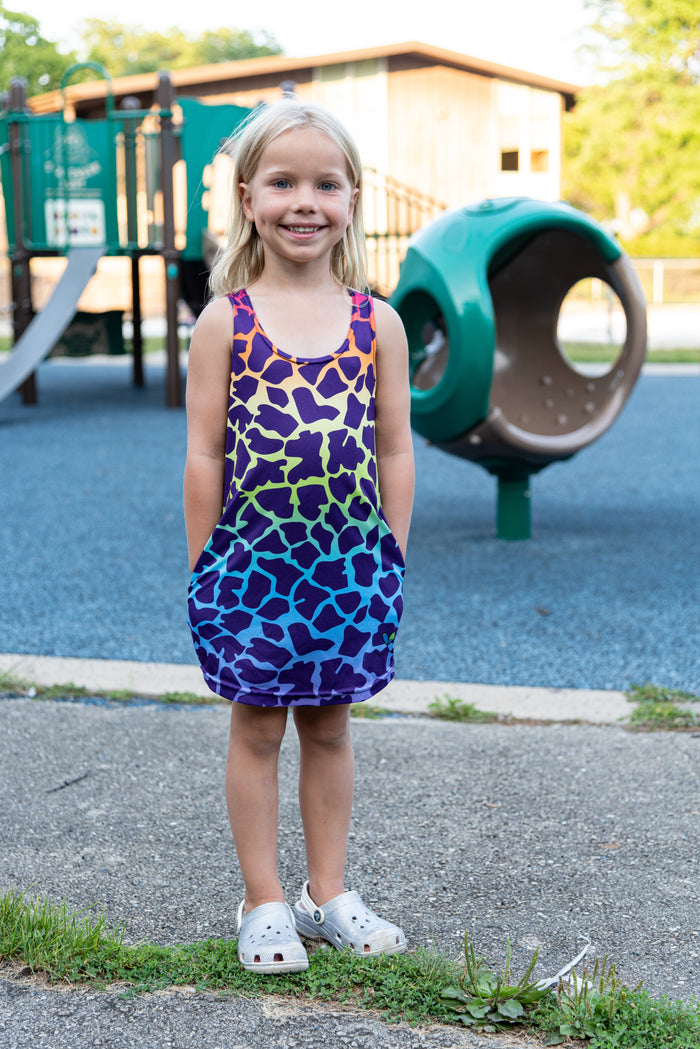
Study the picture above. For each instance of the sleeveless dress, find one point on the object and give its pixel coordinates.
(297, 595)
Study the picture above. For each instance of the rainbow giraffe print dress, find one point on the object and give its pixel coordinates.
(296, 598)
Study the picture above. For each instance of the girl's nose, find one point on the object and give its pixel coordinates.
(304, 199)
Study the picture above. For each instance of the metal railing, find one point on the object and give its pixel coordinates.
(393, 212)
(664, 282)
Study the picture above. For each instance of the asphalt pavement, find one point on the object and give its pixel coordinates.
(547, 833)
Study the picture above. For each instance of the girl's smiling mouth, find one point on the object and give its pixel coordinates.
(302, 229)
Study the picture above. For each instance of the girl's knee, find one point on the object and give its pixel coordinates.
(258, 729)
(327, 727)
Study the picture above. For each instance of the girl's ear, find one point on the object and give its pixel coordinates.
(353, 198)
(245, 196)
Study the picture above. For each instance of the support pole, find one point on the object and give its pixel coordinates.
(132, 233)
(513, 506)
(137, 337)
(169, 252)
(23, 309)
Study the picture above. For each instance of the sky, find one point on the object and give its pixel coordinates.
(541, 36)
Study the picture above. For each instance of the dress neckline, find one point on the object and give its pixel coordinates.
(355, 299)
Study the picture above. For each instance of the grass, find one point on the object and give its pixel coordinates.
(67, 691)
(604, 1014)
(419, 987)
(151, 344)
(594, 352)
(658, 708)
(13, 686)
(367, 710)
(77, 947)
(449, 708)
(579, 352)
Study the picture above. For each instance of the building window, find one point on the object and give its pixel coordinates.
(539, 160)
(510, 160)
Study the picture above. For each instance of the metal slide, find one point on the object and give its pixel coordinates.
(49, 325)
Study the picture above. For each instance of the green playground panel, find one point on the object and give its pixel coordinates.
(69, 175)
(205, 128)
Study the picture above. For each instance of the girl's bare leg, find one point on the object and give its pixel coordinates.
(251, 796)
(326, 783)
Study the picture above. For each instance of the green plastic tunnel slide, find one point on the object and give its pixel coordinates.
(480, 293)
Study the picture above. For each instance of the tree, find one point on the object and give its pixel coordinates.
(126, 49)
(26, 53)
(632, 147)
(230, 45)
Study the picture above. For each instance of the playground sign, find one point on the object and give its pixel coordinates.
(79, 223)
(74, 169)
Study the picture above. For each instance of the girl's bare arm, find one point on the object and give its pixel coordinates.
(393, 425)
(208, 380)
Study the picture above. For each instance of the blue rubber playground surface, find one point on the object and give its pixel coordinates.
(604, 595)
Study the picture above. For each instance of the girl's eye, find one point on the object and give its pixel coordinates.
(327, 187)
(281, 183)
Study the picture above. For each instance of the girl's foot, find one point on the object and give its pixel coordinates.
(346, 922)
(268, 941)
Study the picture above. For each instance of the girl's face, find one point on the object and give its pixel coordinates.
(300, 197)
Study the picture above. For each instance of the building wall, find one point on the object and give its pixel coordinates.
(440, 131)
(451, 134)
(528, 123)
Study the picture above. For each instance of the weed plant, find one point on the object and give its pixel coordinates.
(658, 707)
(489, 1000)
(448, 708)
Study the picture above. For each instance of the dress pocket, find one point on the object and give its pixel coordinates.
(205, 561)
(389, 539)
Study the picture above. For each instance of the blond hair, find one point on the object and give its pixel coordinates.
(240, 261)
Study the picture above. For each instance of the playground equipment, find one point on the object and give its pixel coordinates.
(89, 188)
(62, 181)
(46, 328)
(480, 289)
(480, 292)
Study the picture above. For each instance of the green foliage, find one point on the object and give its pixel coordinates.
(26, 53)
(632, 153)
(78, 946)
(663, 33)
(230, 45)
(601, 352)
(586, 1007)
(129, 49)
(188, 699)
(607, 1015)
(368, 711)
(488, 1000)
(10, 685)
(657, 707)
(448, 708)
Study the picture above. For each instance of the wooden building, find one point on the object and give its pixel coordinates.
(452, 127)
(435, 129)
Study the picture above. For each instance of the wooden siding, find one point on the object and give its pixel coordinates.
(441, 137)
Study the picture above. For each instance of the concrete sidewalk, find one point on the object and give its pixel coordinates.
(106, 676)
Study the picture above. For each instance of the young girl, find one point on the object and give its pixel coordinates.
(298, 425)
